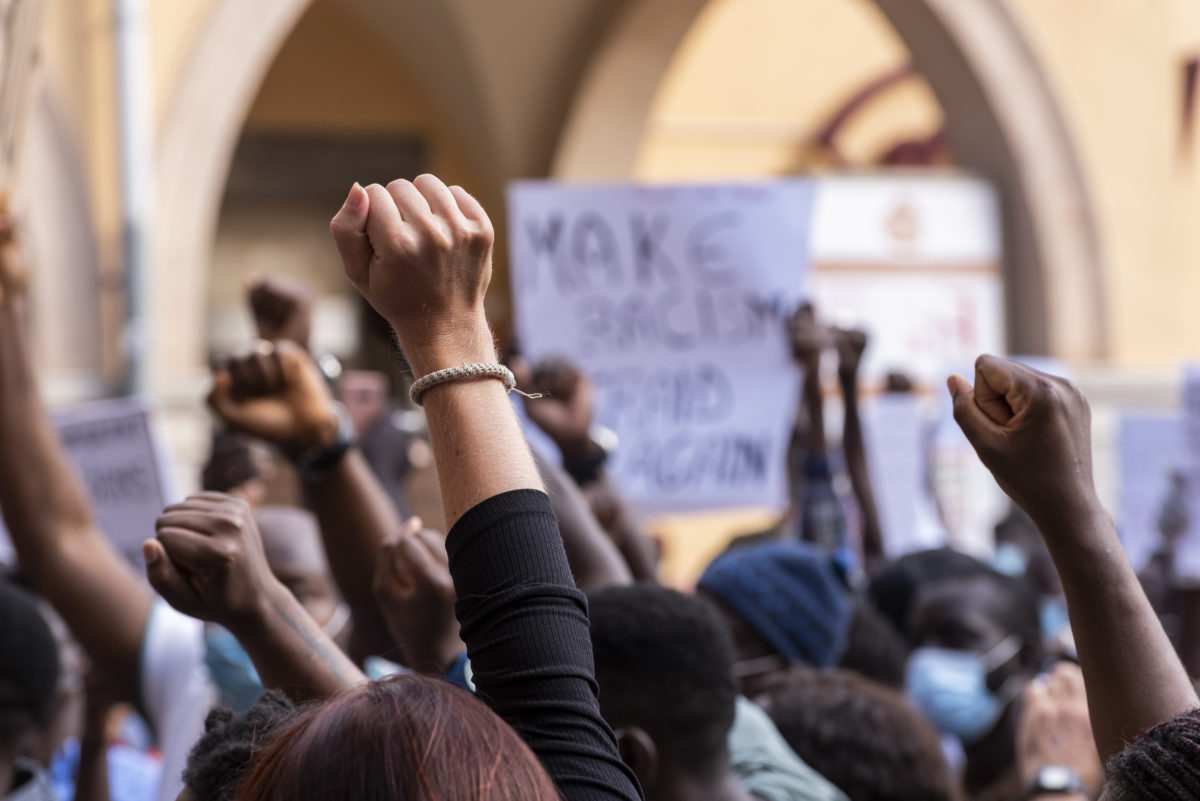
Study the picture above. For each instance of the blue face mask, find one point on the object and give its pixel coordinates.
(231, 669)
(950, 689)
(1010, 560)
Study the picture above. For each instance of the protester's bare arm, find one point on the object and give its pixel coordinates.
(850, 347)
(208, 562)
(46, 507)
(595, 560)
(1033, 431)
(279, 395)
(564, 411)
(808, 341)
(421, 255)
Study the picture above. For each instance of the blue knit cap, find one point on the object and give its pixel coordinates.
(790, 593)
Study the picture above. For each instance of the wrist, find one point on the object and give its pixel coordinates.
(467, 341)
(262, 613)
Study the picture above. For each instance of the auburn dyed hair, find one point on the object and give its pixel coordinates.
(408, 737)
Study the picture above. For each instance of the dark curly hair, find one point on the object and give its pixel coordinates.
(861, 736)
(874, 648)
(1164, 765)
(231, 742)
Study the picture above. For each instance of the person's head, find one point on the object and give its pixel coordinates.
(893, 589)
(978, 641)
(407, 737)
(29, 666)
(664, 663)
(873, 648)
(861, 736)
(224, 755)
(291, 538)
(1164, 765)
(784, 603)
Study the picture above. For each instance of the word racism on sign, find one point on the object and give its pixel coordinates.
(114, 451)
(674, 300)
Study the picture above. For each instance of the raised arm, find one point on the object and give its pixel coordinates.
(1033, 431)
(421, 255)
(564, 411)
(207, 561)
(278, 394)
(46, 507)
(850, 347)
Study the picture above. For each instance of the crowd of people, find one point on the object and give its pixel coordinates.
(332, 647)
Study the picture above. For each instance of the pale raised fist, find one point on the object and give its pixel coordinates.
(282, 309)
(277, 393)
(421, 254)
(207, 559)
(1033, 431)
(416, 595)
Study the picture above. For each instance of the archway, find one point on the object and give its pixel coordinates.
(1002, 122)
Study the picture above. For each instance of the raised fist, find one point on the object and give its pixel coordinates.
(808, 337)
(1033, 431)
(565, 409)
(416, 595)
(207, 560)
(277, 393)
(421, 254)
(851, 343)
(13, 272)
(282, 309)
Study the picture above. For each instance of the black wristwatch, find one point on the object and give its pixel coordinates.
(1056, 780)
(317, 461)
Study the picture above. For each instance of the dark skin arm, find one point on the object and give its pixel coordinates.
(850, 347)
(808, 340)
(279, 395)
(208, 562)
(91, 779)
(565, 412)
(1033, 431)
(46, 507)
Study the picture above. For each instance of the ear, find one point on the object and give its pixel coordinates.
(639, 752)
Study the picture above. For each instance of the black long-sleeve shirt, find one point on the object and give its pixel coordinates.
(526, 629)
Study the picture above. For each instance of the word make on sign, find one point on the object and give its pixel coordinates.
(674, 300)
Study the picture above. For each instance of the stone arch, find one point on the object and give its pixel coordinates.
(1002, 121)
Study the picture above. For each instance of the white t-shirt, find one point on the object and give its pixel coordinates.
(176, 691)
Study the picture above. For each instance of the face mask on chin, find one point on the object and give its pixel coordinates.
(950, 688)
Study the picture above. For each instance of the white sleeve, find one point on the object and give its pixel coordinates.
(176, 693)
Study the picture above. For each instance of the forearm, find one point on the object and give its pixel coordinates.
(1134, 679)
(594, 557)
(49, 519)
(91, 781)
(355, 514)
(814, 407)
(477, 442)
(290, 651)
(635, 546)
(860, 474)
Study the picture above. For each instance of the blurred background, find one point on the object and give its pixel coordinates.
(176, 148)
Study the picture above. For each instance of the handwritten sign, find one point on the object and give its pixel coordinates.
(112, 446)
(898, 430)
(1187, 550)
(1149, 450)
(674, 300)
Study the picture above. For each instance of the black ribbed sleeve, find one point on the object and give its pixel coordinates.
(526, 629)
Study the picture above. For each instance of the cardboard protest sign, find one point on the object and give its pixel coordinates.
(1149, 451)
(113, 447)
(674, 300)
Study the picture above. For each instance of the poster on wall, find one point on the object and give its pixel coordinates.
(674, 300)
(119, 457)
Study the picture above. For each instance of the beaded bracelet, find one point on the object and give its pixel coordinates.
(467, 372)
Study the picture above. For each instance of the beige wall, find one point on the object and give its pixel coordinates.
(489, 86)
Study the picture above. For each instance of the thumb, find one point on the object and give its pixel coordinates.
(165, 578)
(221, 401)
(975, 424)
(349, 229)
